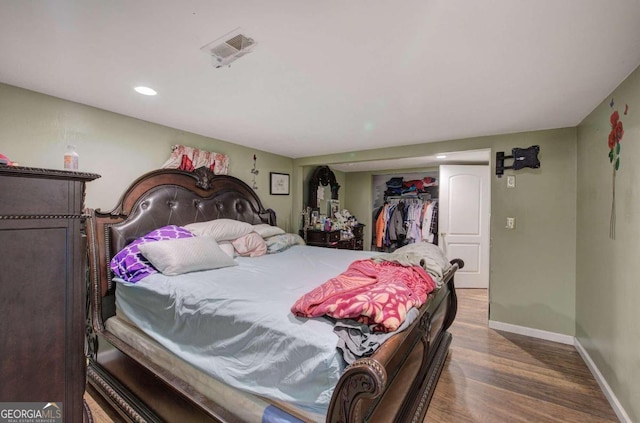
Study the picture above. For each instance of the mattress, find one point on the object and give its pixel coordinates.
(235, 323)
(245, 406)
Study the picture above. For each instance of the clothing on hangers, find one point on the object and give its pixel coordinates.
(404, 220)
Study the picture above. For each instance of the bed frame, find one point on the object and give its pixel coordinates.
(394, 384)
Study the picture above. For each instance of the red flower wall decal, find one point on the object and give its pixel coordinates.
(615, 136)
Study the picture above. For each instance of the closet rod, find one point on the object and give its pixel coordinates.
(421, 196)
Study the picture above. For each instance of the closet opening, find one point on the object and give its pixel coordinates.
(405, 209)
(366, 190)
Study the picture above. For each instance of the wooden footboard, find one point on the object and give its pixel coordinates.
(394, 384)
(397, 382)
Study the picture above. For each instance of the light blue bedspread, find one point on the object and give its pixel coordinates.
(235, 323)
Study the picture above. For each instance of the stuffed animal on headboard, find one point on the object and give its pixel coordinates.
(4, 160)
(189, 159)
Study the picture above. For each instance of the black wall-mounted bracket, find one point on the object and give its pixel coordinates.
(522, 157)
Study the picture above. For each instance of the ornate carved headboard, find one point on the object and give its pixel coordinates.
(159, 198)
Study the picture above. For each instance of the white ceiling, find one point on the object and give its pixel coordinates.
(328, 76)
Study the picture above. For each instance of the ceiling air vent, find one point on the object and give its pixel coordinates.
(229, 48)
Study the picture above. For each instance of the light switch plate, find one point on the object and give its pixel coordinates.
(511, 223)
(511, 181)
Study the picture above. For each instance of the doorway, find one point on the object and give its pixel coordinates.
(464, 221)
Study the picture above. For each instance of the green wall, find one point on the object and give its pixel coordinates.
(607, 282)
(35, 130)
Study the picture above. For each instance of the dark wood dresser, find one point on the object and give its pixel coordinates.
(43, 288)
(331, 239)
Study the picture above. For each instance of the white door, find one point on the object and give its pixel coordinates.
(463, 221)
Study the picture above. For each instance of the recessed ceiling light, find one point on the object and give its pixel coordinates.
(145, 90)
(441, 156)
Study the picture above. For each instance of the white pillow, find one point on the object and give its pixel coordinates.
(281, 242)
(265, 230)
(227, 247)
(220, 229)
(177, 256)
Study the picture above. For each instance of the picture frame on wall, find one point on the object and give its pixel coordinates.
(279, 183)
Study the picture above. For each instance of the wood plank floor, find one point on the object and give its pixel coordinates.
(493, 376)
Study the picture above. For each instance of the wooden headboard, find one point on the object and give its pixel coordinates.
(159, 198)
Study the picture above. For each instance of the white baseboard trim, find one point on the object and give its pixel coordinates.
(534, 333)
(604, 386)
(569, 340)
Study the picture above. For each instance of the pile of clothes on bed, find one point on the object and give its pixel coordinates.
(376, 296)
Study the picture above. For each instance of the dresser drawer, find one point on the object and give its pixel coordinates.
(41, 192)
(321, 238)
(315, 237)
(333, 236)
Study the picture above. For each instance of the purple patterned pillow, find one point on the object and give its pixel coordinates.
(130, 265)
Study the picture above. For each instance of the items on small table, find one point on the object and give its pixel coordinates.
(346, 239)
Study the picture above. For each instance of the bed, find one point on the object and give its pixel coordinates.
(149, 377)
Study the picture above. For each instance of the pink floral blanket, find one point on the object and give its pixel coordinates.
(377, 294)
